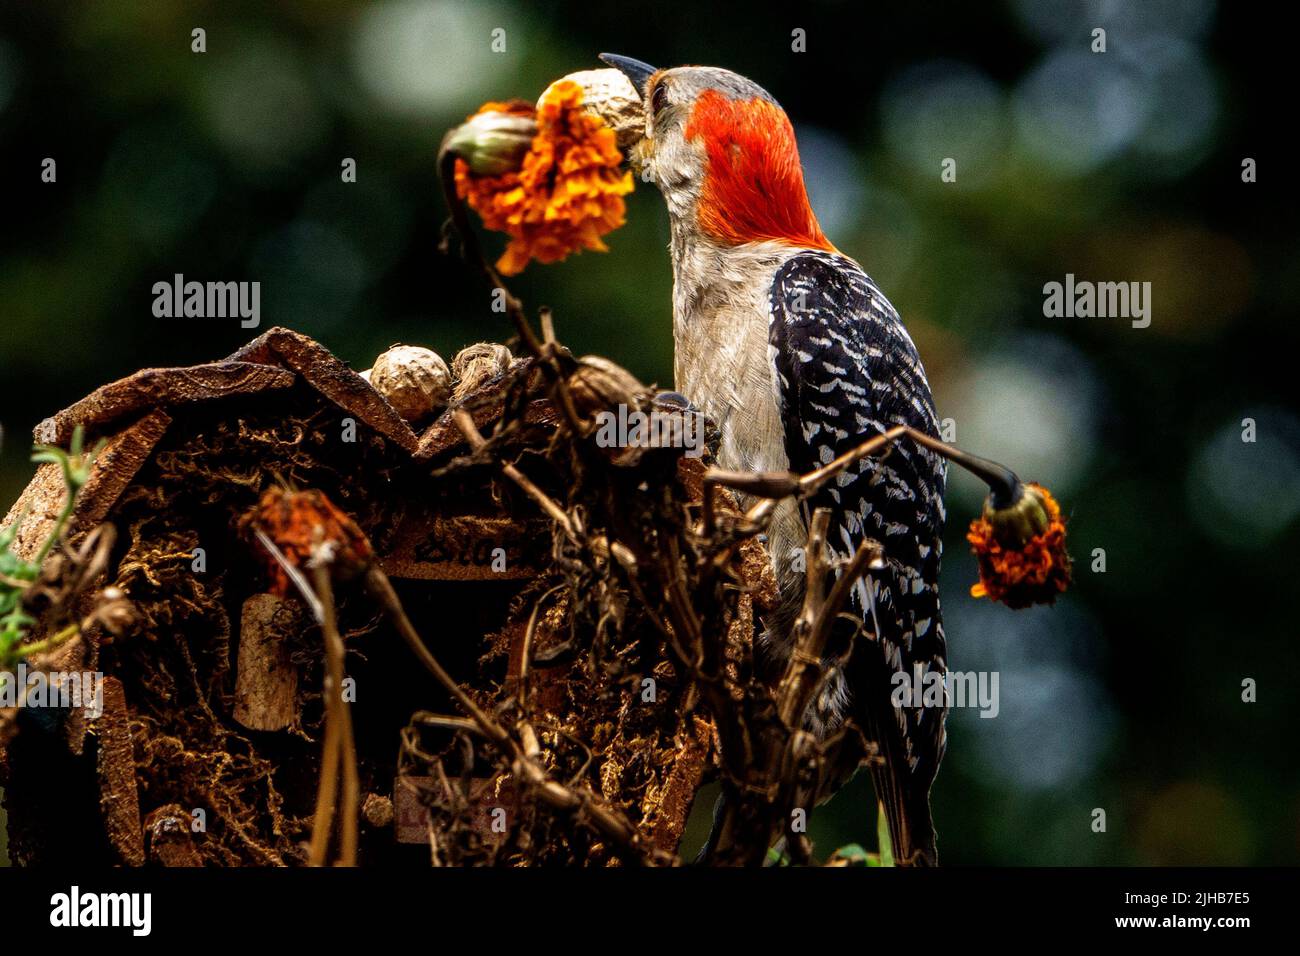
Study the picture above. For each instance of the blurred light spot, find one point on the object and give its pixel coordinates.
(1055, 718)
(1200, 280)
(834, 184)
(1247, 494)
(1047, 734)
(944, 109)
(1032, 406)
(260, 104)
(1184, 103)
(424, 57)
(1078, 109)
(1194, 823)
(1072, 21)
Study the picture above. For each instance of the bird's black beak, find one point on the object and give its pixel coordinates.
(636, 71)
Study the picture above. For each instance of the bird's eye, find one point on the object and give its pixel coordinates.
(659, 98)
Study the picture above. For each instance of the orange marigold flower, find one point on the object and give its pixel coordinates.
(301, 522)
(567, 193)
(1021, 550)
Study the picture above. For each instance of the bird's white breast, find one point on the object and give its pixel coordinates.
(723, 364)
(721, 354)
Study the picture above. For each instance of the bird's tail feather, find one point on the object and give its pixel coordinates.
(911, 830)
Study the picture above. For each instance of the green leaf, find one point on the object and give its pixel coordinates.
(15, 624)
(853, 854)
(882, 837)
(8, 534)
(777, 857)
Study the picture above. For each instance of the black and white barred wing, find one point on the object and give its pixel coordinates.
(846, 369)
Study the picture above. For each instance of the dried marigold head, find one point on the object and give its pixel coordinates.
(567, 192)
(301, 524)
(1020, 549)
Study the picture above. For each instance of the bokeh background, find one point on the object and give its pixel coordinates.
(1122, 166)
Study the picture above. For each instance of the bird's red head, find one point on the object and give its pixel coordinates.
(753, 185)
(724, 155)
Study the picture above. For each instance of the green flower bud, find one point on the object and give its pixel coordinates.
(493, 143)
(1024, 518)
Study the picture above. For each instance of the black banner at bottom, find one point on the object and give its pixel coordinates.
(932, 908)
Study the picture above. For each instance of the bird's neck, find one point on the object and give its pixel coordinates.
(709, 276)
(720, 300)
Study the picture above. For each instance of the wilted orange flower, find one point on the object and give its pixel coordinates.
(568, 192)
(299, 522)
(1021, 550)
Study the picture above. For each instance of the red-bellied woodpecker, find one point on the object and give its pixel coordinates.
(796, 356)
